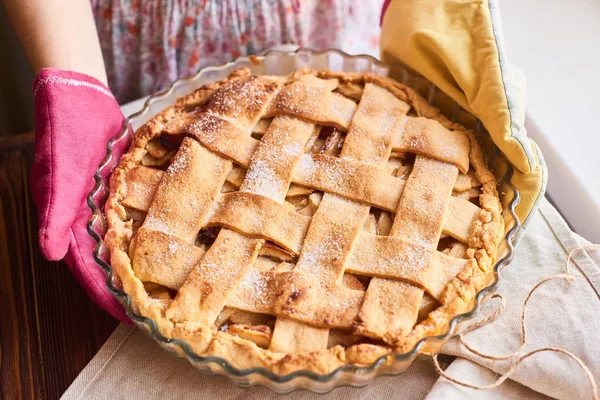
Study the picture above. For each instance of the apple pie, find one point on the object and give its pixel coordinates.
(302, 222)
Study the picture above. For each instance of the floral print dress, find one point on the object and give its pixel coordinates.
(147, 44)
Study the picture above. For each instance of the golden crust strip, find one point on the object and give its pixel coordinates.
(296, 336)
(164, 259)
(394, 258)
(322, 172)
(463, 183)
(459, 218)
(390, 308)
(315, 104)
(428, 137)
(217, 134)
(252, 93)
(354, 180)
(236, 177)
(335, 307)
(183, 199)
(259, 216)
(141, 186)
(420, 214)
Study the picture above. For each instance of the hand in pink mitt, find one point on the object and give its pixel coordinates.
(75, 116)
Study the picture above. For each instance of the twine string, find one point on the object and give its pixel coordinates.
(523, 323)
(584, 248)
(489, 318)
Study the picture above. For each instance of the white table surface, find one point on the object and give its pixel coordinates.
(557, 45)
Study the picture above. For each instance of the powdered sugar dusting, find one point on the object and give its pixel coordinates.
(322, 170)
(155, 224)
(307, 166)
(270, 170)
(262, 179)
(182, 159)
(255, 287)
(298, 98)
(318, 256)
(241, 98)
(291, 149)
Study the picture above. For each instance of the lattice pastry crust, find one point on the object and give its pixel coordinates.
(302, 222)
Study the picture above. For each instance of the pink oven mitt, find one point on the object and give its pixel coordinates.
(75, 117)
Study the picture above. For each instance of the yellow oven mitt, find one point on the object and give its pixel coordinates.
(457, 45)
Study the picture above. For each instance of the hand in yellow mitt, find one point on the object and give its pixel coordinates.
(457, 45)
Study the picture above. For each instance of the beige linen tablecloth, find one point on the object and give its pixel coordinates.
(560, 314)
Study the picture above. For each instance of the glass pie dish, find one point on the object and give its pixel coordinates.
(282, 63)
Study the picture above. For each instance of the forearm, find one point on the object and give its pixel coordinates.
(58, 34)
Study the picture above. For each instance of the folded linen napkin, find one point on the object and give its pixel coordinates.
(560, 314)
